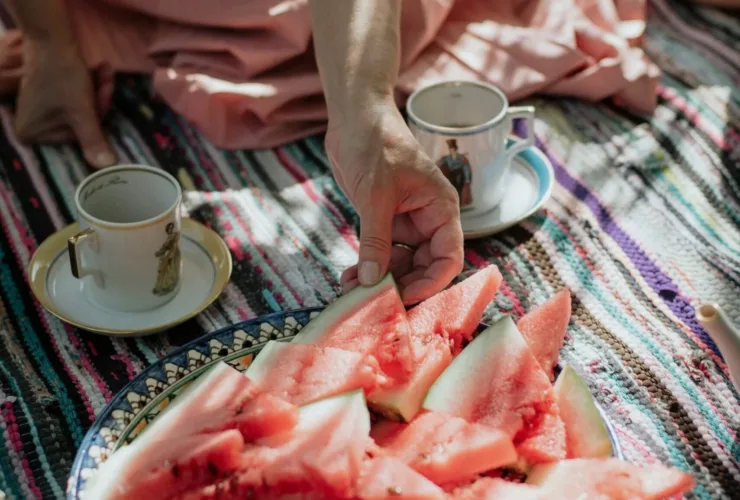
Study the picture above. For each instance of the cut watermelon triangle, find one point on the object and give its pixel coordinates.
(609, 478)
(494, 381)
(455, 313)
(370, 321)
(447, 449)
(403, 401)
(585, 430)
(304, 373)
(544, 329)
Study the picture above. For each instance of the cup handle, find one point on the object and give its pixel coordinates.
(526, 113)
(73, 245)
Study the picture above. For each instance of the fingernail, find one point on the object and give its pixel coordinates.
(104, 159)
(369, 273)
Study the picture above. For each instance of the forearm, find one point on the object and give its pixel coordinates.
(357, 44)
(44, 21)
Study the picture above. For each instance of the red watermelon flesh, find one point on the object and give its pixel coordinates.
(304, 373)
(455, 313)
(323, 453)
(544, 329)
(494, 381)
(488, 488)
(387, 478)
(402, 402)
(370, 321)
(446, 449)
(609, 478)
(545, 441)
(262, 416)
(173, 467)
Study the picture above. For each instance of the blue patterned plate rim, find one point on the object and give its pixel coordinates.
(75, 481)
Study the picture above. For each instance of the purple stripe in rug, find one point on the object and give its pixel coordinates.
(658, 281)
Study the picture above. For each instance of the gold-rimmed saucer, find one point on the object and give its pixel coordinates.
(206, 262)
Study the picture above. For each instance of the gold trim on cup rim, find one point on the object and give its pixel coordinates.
(453, 131)
(55, 247)
(126, 226)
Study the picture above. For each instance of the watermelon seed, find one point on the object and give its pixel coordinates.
(175, 470)
(395, 491)
(212, 469)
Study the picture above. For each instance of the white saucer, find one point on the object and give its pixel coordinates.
(528, 187)
(206, 270)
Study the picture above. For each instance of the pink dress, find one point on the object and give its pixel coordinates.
(243, 71)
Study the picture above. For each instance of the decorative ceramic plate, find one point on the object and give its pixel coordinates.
(131, 410)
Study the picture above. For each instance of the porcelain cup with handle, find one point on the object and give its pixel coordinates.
(463, 126)
(127, 253)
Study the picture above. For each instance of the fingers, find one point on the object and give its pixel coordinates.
(376, 220)
(105, 87)
(437, 268)
(84, 121)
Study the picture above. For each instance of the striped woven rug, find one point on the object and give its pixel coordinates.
(643, 225)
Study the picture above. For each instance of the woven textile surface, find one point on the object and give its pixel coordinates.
(643, 225)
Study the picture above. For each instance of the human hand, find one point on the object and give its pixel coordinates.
(401, 197)
(57, 101)
(11, 61)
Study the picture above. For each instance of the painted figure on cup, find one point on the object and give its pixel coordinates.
(168, 272)
(456, 167)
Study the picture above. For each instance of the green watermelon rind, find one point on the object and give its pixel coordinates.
(591, 427)
(459, 374)
(343, 306)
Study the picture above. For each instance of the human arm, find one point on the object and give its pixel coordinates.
(398, 192)
(56, 100)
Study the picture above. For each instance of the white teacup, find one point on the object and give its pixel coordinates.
(463, 126)
(127, 253)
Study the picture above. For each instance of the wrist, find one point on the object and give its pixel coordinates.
(361, 108)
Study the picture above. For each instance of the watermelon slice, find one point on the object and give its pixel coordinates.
(489, 488)
(402, 402)
(370, 321)
(609, 478)
(388, 478)
(544, 329)
(304, 373)
(455, 313)
(585, 430)
(325, 450)
(198, 409)
(168, 468)
(447, 449)
(494, 381)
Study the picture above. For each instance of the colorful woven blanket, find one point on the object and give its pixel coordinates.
(643, 225)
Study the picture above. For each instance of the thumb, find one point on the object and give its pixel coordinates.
(94, 145)
(375, 242)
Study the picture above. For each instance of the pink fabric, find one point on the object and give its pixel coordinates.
(243, 71)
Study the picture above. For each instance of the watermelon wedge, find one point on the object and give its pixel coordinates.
(447, 449)
(402, 402)
(585, 430)
(609, 478)
(370, 321)
(494, 381)
(168, 468)
(198, 412)
(324, 452)
(455, 313)
(388, 478)
(544, 329)
(304, 373)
